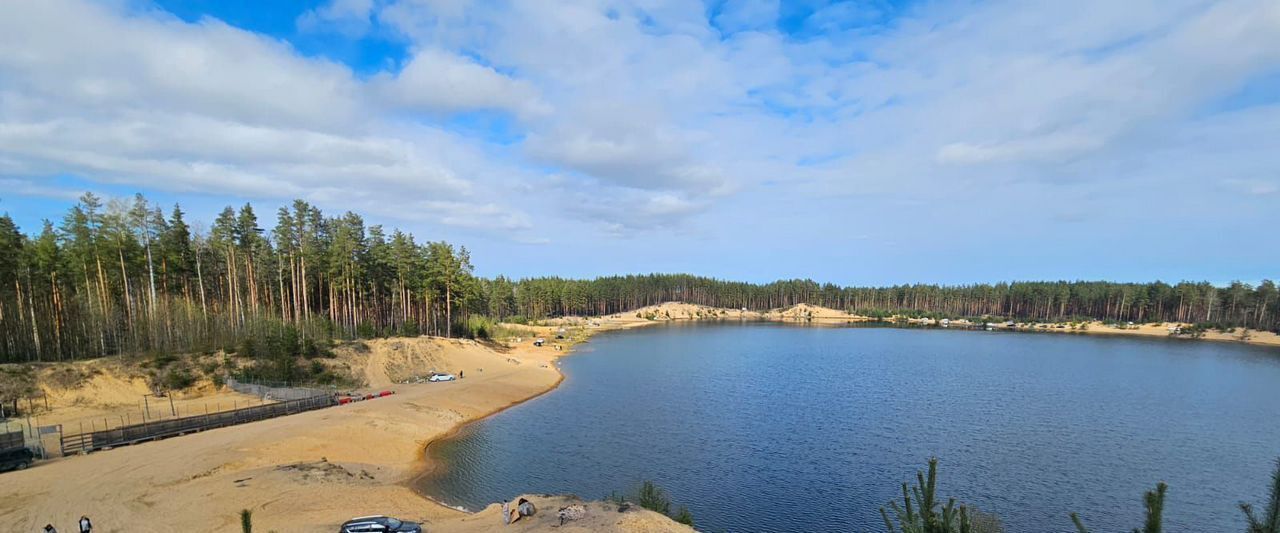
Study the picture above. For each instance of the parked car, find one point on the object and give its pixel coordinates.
(16, 459)
(379, 524)
(442, 377)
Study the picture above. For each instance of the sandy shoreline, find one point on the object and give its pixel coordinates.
(811, 314)
(311, 471)
(305, 472)
(429, 467)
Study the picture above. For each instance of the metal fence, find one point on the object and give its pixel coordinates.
(25, 434)
(124, 435)
(274, 390)
(10, 440)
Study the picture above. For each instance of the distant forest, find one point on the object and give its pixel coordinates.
(1238, 305)
(130, 277)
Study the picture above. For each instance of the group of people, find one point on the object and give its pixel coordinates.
(522, 509)
(86, 526)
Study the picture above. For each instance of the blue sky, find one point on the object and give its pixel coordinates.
(867, 142)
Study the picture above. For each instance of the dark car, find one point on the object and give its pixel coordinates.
(16, 459)
(379, 524)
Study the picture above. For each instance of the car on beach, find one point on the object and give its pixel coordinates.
(379, 524)
(442, 377)
(16, 459)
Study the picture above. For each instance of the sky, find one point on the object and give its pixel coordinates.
(857, 142)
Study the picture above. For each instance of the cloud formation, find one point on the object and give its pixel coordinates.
(141, 98)
(654, 116)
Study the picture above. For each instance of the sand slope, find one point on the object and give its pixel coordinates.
(111, 391)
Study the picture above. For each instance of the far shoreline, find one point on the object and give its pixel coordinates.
(811, 314)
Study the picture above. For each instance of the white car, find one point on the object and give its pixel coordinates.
(441, 377)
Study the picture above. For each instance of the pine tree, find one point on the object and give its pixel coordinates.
(1269, 522)
(924, 516)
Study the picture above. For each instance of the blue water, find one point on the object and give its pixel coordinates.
(764, 427)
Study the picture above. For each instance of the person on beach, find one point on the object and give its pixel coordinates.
(85, 525)
(506, 512)
(524, 508)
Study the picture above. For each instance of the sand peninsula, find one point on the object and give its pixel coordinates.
(311, 471)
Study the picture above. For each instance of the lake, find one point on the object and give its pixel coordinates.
(772, 427)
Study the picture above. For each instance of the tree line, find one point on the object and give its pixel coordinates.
(126, 276)
(1237, 305)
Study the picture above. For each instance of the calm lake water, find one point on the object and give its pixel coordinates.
(766, 427)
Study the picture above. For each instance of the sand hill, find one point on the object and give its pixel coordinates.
(813, 312)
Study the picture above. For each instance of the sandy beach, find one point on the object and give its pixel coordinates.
(311, 471)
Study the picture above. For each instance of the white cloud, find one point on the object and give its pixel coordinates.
(742, 15)
(90, 61)
(18, 187)
(626, 147)
(1056, 146)
(623, 212)
(146, 100)
(349, 17)
(648, 114)
(438, 81)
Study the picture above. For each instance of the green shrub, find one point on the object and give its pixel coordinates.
(1269, 522)
(178, 379)
(920, 514)
(312, 348)
(161, 360)
(684, 516)
(1154, 502)
(246, 521)
(248, 347)
(284, 342)
(409, 329)
(479, 327)
(210, 368)
(653, 498)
